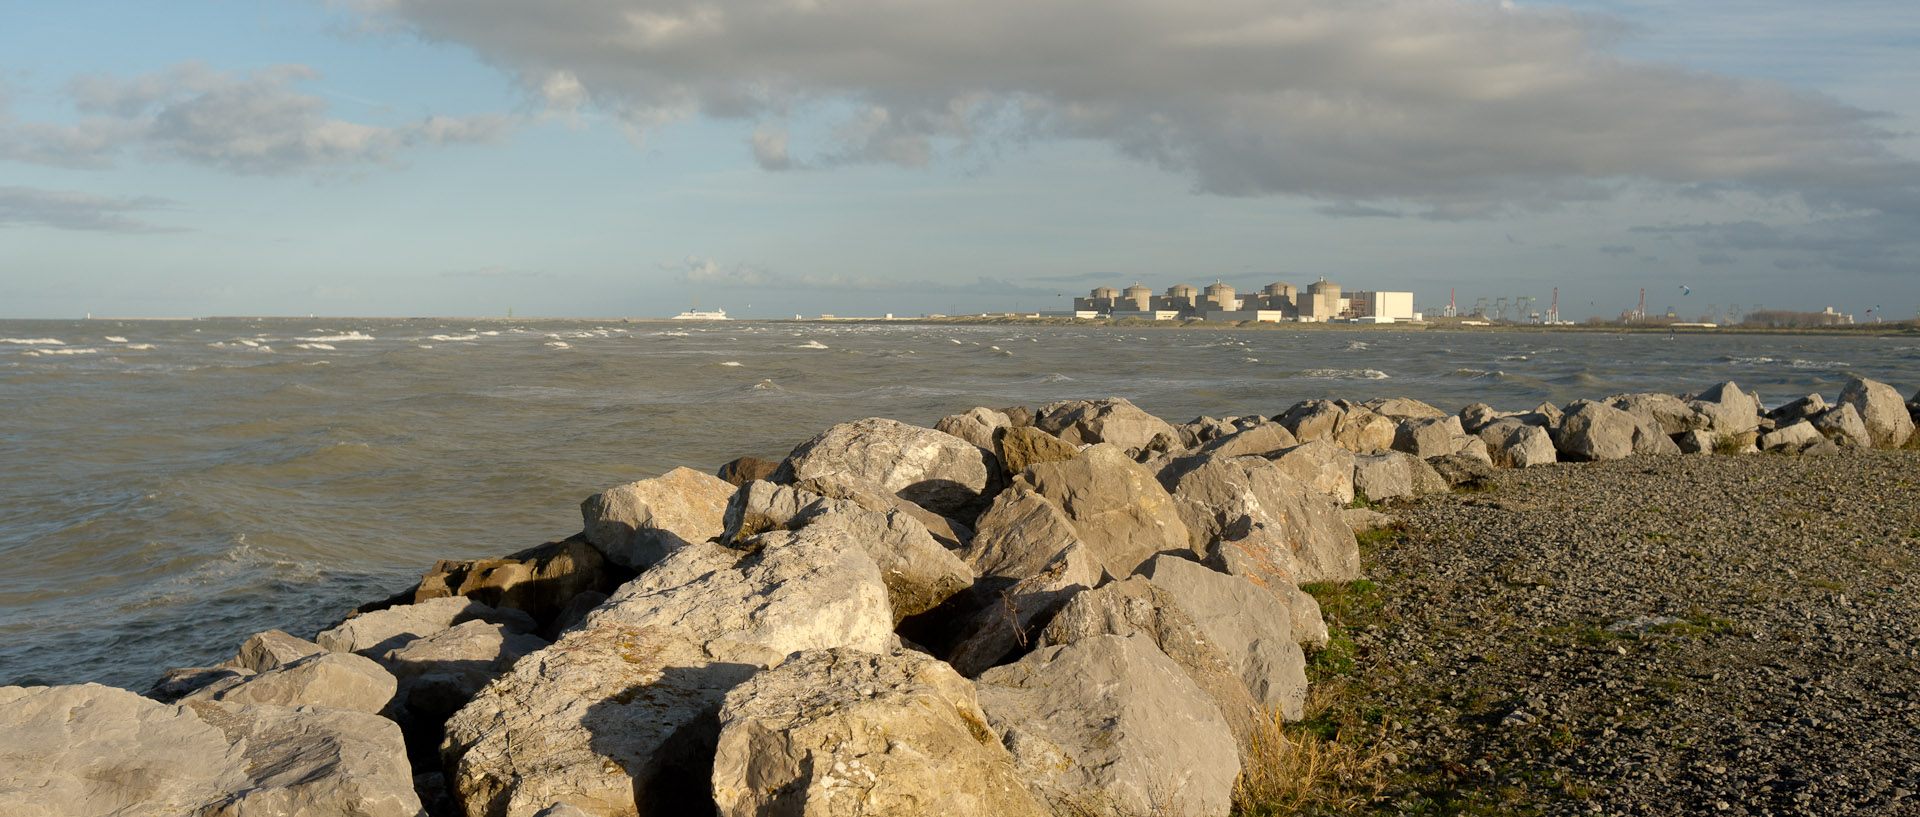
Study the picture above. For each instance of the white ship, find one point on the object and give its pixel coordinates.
(697, 315)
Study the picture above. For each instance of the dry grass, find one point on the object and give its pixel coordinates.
(1313, 767)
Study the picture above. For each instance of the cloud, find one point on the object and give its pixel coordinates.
(770, 148)
(248, 123)
(1716, 259)
(495, 272)
(69, 210)
(707, 272)
(1617, 250)
(1461, 109)
(1880, 243)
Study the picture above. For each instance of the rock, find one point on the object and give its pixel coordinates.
(1805, 408)
(1138, 606)
(791, 591)
(1322, 466)
(1842, 424)
(539, 581)
(1823, 448)
(1111, 726)
(1429, 437)
(950, 533)
(375, 633)
(976, 425)
(1462, 470)
(1885, 414)
(1265, 439)
(1250, 500)
(1202, 430)
(1696, 442)
(1524, 446)
(1021, 446)
(1111, 420)
(918, 570)
(610, 719)
(1394, 474)
(1019, 535)
(1018, 416)
(1362, 520)
(1349, 426)
(1592, 431)
(932, 469)
(96, 750)
(1479, 416)
(1792, 438)
(639, 523)
(1257, 565)
(438, 674)
(1649, 439)
(577, 611)
(1005, 617)
(1727, 409)
(1402, 408)
(743, 470)
(842, 732)
(1247, 623)
(1117, 508)
(334, 679)
(180, 682)
(1669, 415)
(272, 649)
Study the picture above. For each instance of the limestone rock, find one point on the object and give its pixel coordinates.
(538, 581)
(374, 633)
(1792, 438)
(1264, 439)
(1111, 726)
(1842, 424)
(312, 760)
(1478, 416)
(1525, 446)
(1347, 425)
(933, 469)
(1322, 466)
(1668, 414)
(1111, 420)
(951, 533)
(846, 733)
(1018, 416)
(612, 719)
(180, 682)
(1366, 519)
(1727, 409)
(790, 591)
(438, 674)
(271, 649)
(1117, 508)
(1247, 623)
(1138, 606)
(1888, 422)
(1402, 408)
(1649, 439)
(975, 425)
(1462, 470)
(335, 679)
(1202, 430)
(1429, 437)
(1005, 616)
(639, 523)
(1592, 431)
(1249, 499)
(1019, 535)
(743, 470)
(1805, 408)
(1395, 474)
(1021, 446)
(1696, 442)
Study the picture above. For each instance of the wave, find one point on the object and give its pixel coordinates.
(140, 346)
(337, 338)
(33, 341)
(1344, 374)
(766, 385)
(81, 350)
(1478, 374)
(452, 337)
(1817, 364)
(325, 347)
(1511, 357)
(115, 339)
(1745, 361)
(1358, 346)
(812, 344)
(730, 363)
(559, 344)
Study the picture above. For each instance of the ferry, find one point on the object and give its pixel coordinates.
(697, 315)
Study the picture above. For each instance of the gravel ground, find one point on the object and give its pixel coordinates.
(1662, 636)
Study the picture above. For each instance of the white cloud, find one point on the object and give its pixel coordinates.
(1458, 108)
(251, 123)
(69, 210)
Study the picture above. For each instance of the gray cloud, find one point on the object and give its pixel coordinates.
(1459, 109)
(1716, 259)
(708, 272)
(1617, 250)
(69, 210)
(253, 123)
(1879, 243)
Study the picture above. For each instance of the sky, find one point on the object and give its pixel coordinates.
(633, 158)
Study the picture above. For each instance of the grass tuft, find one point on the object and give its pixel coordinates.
(1317, 766)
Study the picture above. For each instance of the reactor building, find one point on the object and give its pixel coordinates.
(1322, 301)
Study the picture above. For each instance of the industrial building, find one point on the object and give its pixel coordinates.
(1322, 301)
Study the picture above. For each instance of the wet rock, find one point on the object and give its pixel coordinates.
(1112, 420)
(932, 469)
(844, 732)
(639, 523)
(1885, 414)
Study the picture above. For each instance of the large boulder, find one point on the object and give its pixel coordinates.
(1263, 439)
(1018, 536)
(1021, 446)
(76, 751)
(932, 469)
(1727, 409)
(1791, 438)
(612, 719)
(372, 634)
(742, 470)
(1111, 420)
(1117, 507)
(1003, 618)
(438, 674)
(1521, 446)
(1429, 437)
(270, 649)
(1592, 431)
(1138, 606)
(1479, 416)
(789, 591)
(335, 679)
(975, 425)
(540, 581)
(1880, 407)
(1111, 726)
(1247, 623)
(1462, 470)
(918, 570)
(1394, 475)
(950, 532)
(1347, 425)
(1247, 560)
(639, 523)
(843, 732)
(1668, 414)
(1402, 408)
(1249, 499)
(1805, 408)
(1322, 466)
(1843, 425)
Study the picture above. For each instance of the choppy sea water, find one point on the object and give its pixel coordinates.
(170, 487)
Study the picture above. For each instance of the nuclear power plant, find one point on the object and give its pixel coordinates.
(1321, 302)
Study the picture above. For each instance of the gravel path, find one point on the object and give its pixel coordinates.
(1681, 635)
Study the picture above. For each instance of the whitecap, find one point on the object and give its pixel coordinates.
(812, 344)
(955, 340)
(140, 346)
(325, 347)
(559, 344)
(71, 351)
(731, 363)
(116, 339)
(453, 337)
(426, 346)
(1513, 357)
(1345, 374)
(1249, 360)
(1357, 346)
(34, 341)
(765, 385)
(337, 338)
(246, 342)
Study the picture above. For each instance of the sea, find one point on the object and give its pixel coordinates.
(168, 488)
